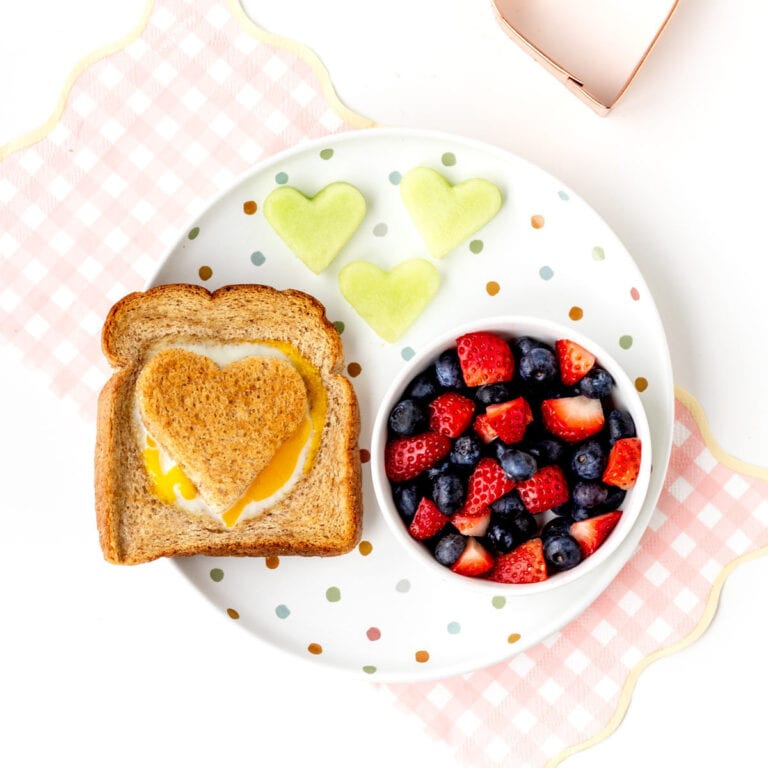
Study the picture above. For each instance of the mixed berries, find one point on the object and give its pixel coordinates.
(507, 458)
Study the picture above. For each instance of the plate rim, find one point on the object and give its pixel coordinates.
(624, 553)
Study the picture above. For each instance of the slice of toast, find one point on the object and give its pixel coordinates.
(320, 514)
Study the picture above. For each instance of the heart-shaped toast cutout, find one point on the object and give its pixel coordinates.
(221, 425)
(389, 301)
(316, 228)
(444, 214)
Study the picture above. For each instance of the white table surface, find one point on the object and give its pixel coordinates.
(125, 666)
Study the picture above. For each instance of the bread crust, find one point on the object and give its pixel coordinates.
(320, 515)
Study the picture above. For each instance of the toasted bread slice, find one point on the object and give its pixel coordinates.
(213, 421)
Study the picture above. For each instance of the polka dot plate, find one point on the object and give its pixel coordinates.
(374, 612)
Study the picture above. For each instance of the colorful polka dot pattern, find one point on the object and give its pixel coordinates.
(365, 548)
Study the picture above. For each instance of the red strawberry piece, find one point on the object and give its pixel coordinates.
(623, 464)
(523, 565)
(510, 419)
(471, 525)
(450, 414)
(593, 531)
(427, 521)
(546, 489)
(484, 429)
(487, 483)
(573, 418)
(485, 358)
(474, 560)
(574, 361)
(407, 457)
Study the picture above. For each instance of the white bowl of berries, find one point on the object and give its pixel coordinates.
(512, 453)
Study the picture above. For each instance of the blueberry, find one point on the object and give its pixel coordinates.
(449, 548)
(588, 460)
(497, 448)
(424, 386)
(466, 451)
(407, 497)
(517, 465)
(582, 513)
(589, 494)
(615, 499)
(523, 526)
(547, 451)
(448, 370)
(620, 424)
(525, 344)
(448, 493)
(407, 418)
(437, 469)
(500, 538)
(555, 527)
(508, 506)
(596, 383)
(490, 394)
(538, 365)
(562, 552)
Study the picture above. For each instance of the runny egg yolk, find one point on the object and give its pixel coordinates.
(283, 464)
(166, 483)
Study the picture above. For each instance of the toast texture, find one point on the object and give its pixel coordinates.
(206, 417)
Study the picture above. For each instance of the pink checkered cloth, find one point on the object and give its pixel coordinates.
(152, 131)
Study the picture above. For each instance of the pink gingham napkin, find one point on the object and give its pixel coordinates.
(152, 131)
(148, 134)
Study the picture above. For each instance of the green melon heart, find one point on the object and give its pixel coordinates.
(446, 215)
(315, 228)
(389, 301)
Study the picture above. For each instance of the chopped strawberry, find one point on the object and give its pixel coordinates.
(546, 489)
(484, 429)
(510, 419)
(474, 560)
(574, 361)
(427, 521)
(523, 565)
(573, 418)
(407, 457)
(487, 483)
(485, 358)
(450, 414)
(593, 531)
(471, 525)
(623, 465)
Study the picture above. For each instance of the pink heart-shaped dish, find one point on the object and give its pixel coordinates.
(593, 46)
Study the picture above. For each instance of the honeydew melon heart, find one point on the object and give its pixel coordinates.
(316, 228)
(389, 301)
(444, 214)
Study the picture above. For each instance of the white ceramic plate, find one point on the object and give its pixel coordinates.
(374, 612)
